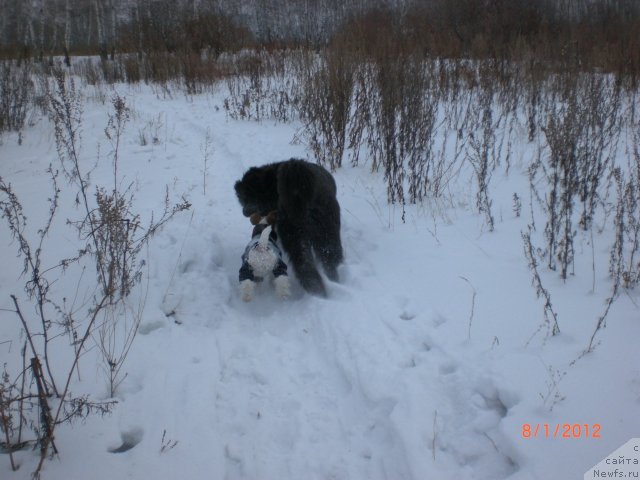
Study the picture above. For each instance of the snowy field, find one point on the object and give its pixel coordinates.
(426, 361)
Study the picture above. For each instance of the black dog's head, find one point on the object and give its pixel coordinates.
(257, 191)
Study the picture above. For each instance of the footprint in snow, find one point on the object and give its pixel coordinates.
(448, 368)
(148, 327)
(130, 439)
(407, 308)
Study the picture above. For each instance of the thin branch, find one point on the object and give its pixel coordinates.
(473, 304)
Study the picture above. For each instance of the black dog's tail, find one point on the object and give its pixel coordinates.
(296, 187)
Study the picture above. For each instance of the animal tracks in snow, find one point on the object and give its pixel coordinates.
(130, 438)
(364, 379)
(365, 394)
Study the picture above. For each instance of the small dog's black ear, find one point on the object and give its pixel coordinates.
(272, 217)
(255, 218)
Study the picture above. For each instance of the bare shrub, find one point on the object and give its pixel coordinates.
(89, 70)
(624, 265)
(386, 150)
(260, 87)
(418, 128)
(8, 412)
(626, 210)
(37, 283)
(402, 125)
(40, 402)
(111, 237)
(582, 128)
(600, 121)
(133, 68)
(118, 236)
(550, 322)
(16, 94)
(207, 151)
(361, 120)
(481, 151)
(325, 106)
(624, 254)
(559, 169)
(199, 72)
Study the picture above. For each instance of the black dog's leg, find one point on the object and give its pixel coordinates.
(330, 257)
(299, 250)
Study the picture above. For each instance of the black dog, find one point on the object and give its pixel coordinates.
(304, 194)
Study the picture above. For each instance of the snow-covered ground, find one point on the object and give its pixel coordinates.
(402, 373)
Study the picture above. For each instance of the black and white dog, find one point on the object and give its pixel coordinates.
(261, 258)
(308, 215)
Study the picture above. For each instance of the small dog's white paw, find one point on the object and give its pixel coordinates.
(247, 287)
(283, 287)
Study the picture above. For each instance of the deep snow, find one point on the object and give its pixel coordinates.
(400, 374)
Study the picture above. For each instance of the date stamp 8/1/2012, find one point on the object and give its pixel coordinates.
(561, 430)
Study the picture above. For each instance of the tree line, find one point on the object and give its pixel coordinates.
(583, 33)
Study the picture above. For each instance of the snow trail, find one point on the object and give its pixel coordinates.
(355, 379)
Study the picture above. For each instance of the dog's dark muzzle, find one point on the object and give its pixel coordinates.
(248, 211)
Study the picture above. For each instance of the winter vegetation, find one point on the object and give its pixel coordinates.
(487, 157)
